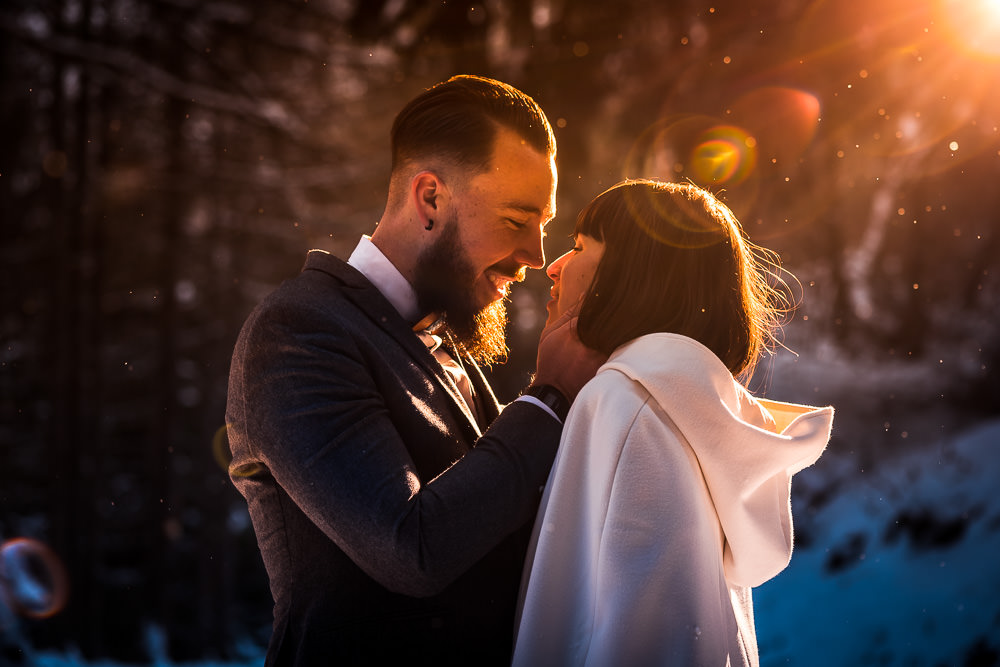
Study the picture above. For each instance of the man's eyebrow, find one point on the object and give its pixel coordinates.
(530, 209)
(524, 208)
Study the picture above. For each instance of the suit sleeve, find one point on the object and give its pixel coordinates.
(305, 406)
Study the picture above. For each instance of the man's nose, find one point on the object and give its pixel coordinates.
(532, 253)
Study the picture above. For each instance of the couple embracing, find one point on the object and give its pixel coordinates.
(619, 511)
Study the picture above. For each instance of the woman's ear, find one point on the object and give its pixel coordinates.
(428, 192)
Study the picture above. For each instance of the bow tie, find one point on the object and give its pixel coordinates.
(452, 367)
(432, 341)
(430, 323)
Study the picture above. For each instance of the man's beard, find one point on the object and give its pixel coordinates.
(445, 283)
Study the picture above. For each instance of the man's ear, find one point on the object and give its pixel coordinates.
(428, 192)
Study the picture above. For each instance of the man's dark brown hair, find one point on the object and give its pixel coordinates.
(457, 120)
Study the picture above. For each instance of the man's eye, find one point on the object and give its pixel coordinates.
(577, 248)
(517, 224)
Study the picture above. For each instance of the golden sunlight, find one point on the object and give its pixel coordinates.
(974, 26)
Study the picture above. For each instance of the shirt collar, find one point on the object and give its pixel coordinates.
(377, 268)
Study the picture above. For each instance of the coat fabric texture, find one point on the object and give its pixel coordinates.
(668, 501)
(392, 528)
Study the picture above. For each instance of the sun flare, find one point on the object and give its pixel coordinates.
(974, 25)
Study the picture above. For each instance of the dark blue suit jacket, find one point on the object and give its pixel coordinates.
(390, 527)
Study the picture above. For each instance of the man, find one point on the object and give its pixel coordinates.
(390, 495)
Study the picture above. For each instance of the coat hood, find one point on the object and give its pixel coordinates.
(748, 448)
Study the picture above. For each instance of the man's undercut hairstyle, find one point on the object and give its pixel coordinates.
(456, 121)
(676, 260)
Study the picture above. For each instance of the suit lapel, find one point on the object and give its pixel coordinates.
(488, 403)
(376, 307)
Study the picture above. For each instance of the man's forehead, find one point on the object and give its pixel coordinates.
(527, 208)
(520, 178)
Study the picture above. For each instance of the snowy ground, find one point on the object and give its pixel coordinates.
(901, 567)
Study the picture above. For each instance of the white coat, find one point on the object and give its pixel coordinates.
(668, 500)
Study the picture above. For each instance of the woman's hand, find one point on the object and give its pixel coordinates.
(563, 360)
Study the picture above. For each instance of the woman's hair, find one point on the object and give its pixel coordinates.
(457, 120)
(676, 260)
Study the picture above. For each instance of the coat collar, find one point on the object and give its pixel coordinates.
(366, 297)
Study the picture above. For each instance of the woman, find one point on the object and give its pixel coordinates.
(669, 498)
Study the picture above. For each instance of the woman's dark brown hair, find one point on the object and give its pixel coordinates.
(676, 260)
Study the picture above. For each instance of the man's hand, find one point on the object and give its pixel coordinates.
(563, 360)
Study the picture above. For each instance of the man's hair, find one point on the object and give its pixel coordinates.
(457, 121)
(676, 260)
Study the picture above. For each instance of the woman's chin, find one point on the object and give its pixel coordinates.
(552, 308)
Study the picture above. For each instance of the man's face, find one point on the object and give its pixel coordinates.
(494, 231)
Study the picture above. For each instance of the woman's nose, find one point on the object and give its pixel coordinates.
(555, 268)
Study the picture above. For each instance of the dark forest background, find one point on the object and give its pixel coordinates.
(166, 163)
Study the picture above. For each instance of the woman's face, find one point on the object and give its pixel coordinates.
(571, 275)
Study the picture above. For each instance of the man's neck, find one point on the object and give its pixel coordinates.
(383, 274)
(399, 250)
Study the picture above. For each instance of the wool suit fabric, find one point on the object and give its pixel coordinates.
(390, 526)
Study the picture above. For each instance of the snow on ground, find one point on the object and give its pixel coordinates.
(902, 565)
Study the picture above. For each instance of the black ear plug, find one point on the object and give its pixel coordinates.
(430, 224)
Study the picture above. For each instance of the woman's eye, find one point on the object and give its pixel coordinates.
(577, 248)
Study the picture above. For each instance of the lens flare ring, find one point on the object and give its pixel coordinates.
(724, 154)
(33, 581)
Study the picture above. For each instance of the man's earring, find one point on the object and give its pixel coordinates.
(430, 224)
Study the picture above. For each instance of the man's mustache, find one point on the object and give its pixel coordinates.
(516, 272)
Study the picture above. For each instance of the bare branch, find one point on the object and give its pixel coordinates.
(269, 111)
